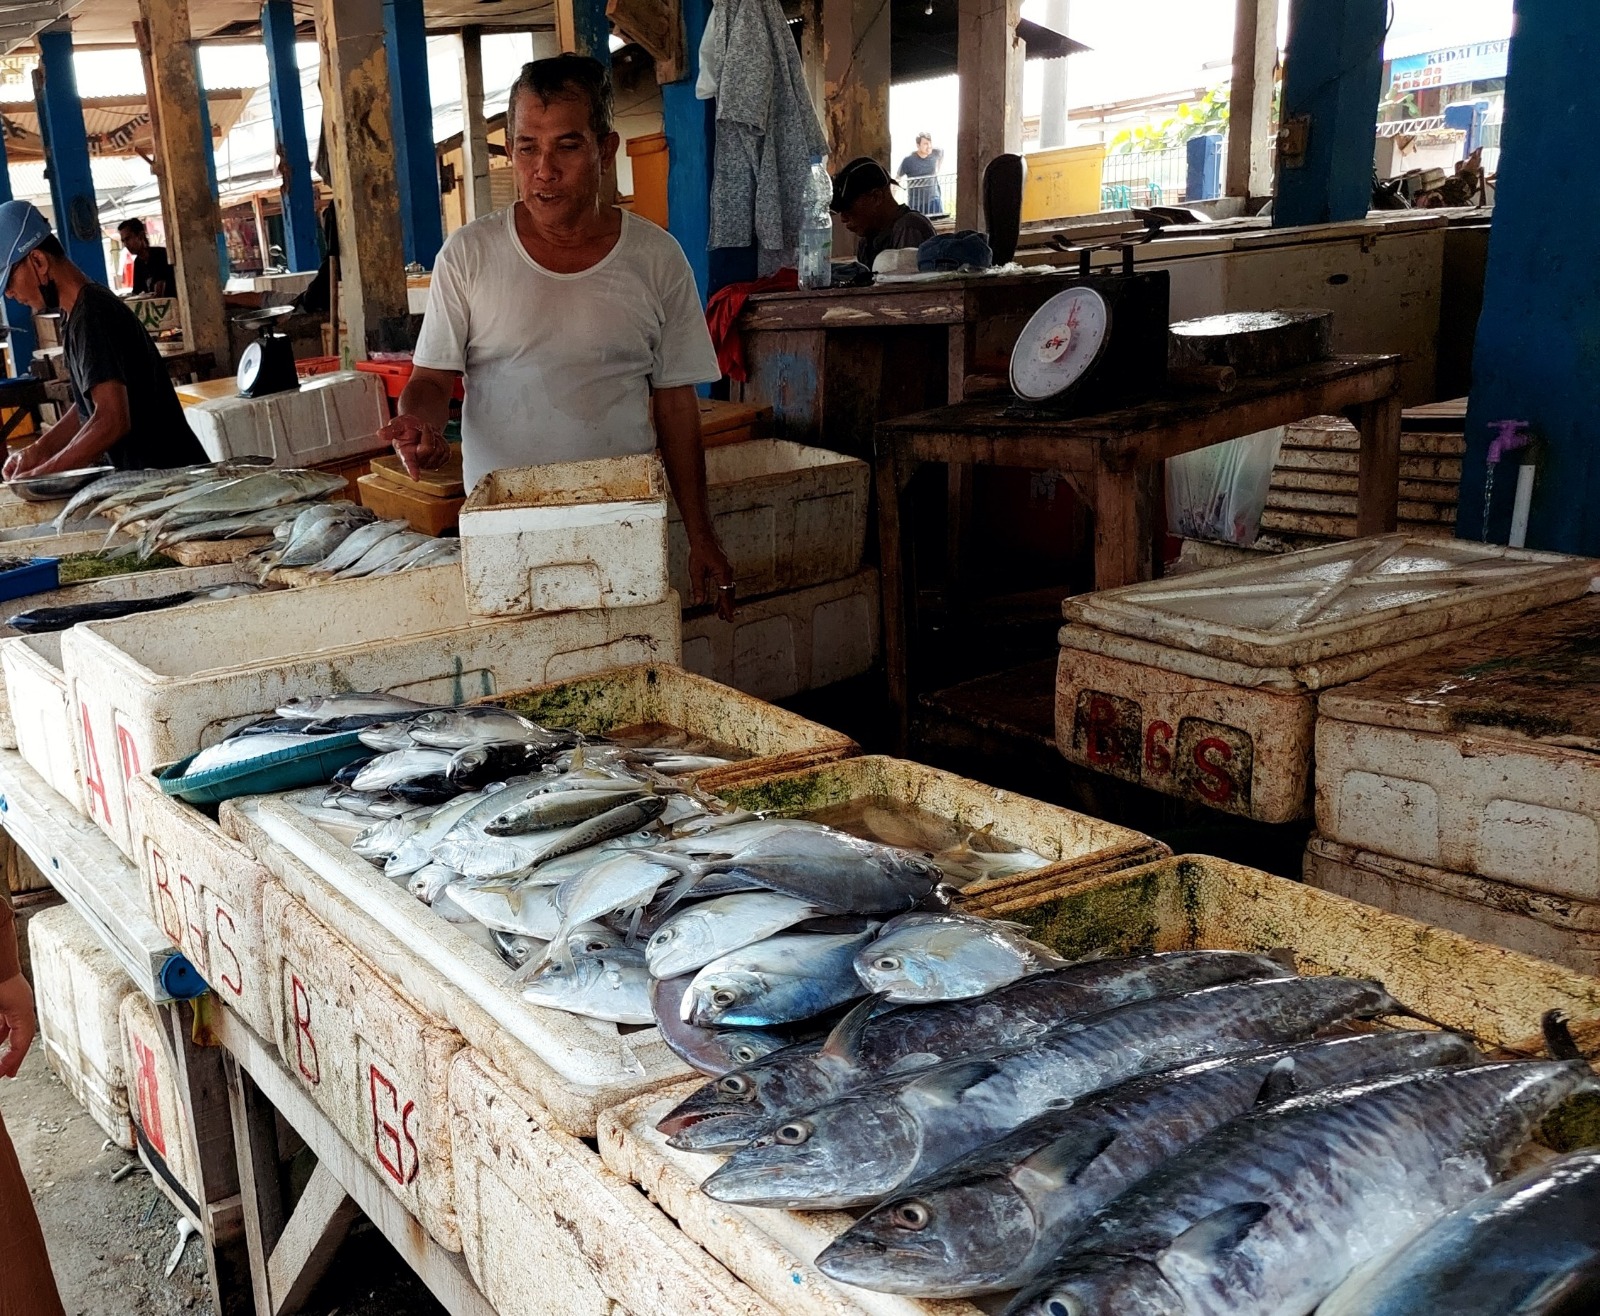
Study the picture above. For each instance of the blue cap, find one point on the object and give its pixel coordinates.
(22, 228)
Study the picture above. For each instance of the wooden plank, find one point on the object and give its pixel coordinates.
(1124, 536)
(310, 1240)
(1379, 474)
(475, 136)
(1255, 62)
(855, 63)
(1289, 480)
(989, 60)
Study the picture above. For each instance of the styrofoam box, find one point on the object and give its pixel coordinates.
(778, 646)
(133, 585)
(328, 417)
(78, 988)
(204, 890)
(771, 1251)
(1478, 758)
(574, 1067)
(152, 689)
(787, 516)
(373, 1062)
(17, 511)
(548, 1230)
(1561, 929)
(566, 536)
(158, 1105)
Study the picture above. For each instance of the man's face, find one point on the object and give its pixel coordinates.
(31, 284)
(559, 163)
(135, 242)
(924, 147)
(864, 215)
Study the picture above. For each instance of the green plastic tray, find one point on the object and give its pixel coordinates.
(285, 770)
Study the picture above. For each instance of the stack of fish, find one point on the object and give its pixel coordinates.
(342, 541)
(1187, 1133)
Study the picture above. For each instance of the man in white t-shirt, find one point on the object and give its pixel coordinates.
(576, 324)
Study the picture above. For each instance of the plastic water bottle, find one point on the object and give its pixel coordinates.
(816, 230)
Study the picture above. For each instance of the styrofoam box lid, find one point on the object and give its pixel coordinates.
(1322, 602)
(327, 412)
(1534, 677)
(568, 484)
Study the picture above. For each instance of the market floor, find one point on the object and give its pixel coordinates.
(110, 1242)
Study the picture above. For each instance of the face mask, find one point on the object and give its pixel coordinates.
(52, 297)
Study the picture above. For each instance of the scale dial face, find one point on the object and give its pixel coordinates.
(1061, 343)
(249, 367)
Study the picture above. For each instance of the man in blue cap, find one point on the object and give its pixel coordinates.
(126, 409)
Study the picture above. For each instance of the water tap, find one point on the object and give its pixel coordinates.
(1509, 436)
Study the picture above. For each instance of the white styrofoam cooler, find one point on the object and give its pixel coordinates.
(158, 1107)
(567, 536)
(1204, 686)
(781, 645)
(787, 516)
(78, 988)
(151, 689)
(328, 417)
(1478, 758)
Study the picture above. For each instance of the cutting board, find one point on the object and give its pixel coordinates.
(446, 482)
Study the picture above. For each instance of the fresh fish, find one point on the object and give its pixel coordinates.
(188, 491)
(710, 1050)
(1530, 1247)
(382, 839)
(692, 938)
(518, 908)
(318, 708)
(402, 765)
(453, 914)
(457, 728)
(355, 546)
(862, 1147)
(386, 737)
(249, 493)
(40, 621)
(429, 883)
(993, 1219)
(477, 765)
(621, 881)
(515, 949)
(628, 816)
(863, 1048)
(313, 535)
(417, 851)
(920, 958)
(1270, 1213)
(211, 527)
(480, 858)
(781, 980)
(385, 550)
(559, 808)
(109, 483)
(612, 985)
(430, 553)
(244, 749)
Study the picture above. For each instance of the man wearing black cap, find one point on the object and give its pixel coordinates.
(863, 200)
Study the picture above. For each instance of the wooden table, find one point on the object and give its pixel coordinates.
(1114, 463)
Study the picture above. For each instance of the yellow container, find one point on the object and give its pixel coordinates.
(1061, 182)
(206, 390)
(649, 156)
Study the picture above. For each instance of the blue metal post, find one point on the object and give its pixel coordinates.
(289, 122)
(17, 315)
(1205, 167)
(689, 125)
(592, 30)
(1469, 118)
(416, 167)
(1333, 72)
(67, 145)
(223, 264)
(1537, 356)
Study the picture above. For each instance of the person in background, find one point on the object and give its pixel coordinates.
(863, 198)
(126, 409)
(27, 1288)
(152, 271)
(921, 171)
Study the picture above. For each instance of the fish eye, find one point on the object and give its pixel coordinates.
(592, 945)
(911, 1215)
(663, 937)
(735, 1085)
(1063, 1307)
(745, 1053)
(886, 963)
(723, 997)
(793, 1134)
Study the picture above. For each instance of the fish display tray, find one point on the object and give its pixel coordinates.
(373, 1063)
(1478, 758)
(78, 988)
(573, 1067)
(326, 418)
(148, 691)
(537, 539)
(282, 770)
(548, 1230)
(787, 516)
(787, 643)
(158, 1107)
(651, 694)
(38, 576)
(1557, 928)
(1074, 844)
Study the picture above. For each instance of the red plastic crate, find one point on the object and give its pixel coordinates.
(316, 365)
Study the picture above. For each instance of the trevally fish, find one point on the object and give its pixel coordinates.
(993, 1219)
(431, 553)
(611, 985)
(862, 1147)
(710, 1050)
(693, 937)
(781, 980)
(865, 1047)
(385, 550)
(1268, 1214)
(356, 544)
(401, 765)
(518, 908)
(921, 957)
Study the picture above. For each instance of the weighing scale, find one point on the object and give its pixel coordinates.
(266, 365)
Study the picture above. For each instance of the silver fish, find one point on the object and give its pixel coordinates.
(628, 816)
(109, 483)
(416, 851)
(611, 985)
(558, 808)
(429, 884)
(402, 765)
(249, 493)
(458, 728)
(919, 958)
(692, 938)
(781, 980)
(430, 553)
(385, 550)
(622, 881)
(311, 540)
(245, 749)
(322, 708)
(356, 545)
(527, 911)
(710, 1050)
(382, 839)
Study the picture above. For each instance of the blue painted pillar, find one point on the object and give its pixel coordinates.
(1205, 167)
(591, 34)
(289, 123)
(18, 316)
(416, 167)
(1333, 72)
(690, 124)
(1537, 357)
(67, 145)
(211, 171)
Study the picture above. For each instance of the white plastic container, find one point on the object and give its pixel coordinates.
(372, 1062)
(166, 1141)
(778, 646)
(133, 585)
(787, 516)
(568, 536)
(330, 417)
(78, 988)
(151, 690)
(547, 1230)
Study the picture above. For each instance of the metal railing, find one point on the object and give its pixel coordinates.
(932, 196)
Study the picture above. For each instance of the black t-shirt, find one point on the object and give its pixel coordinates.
(150, 267)
(104, 341)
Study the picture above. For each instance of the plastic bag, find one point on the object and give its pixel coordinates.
(1220, 492)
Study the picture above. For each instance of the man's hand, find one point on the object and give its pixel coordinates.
(16, 465)
(17, 1024)
(419, 445)
(710, 574)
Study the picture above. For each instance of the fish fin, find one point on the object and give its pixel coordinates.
(843, 1047)
(1209, 1238)
(633, 925)
(910, 1063)
(945, 1085)
(1284, 956)
(1063, 1161)
(1558, 1039)
(1280, 1083)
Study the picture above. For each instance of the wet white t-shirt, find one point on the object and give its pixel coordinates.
(559, 367)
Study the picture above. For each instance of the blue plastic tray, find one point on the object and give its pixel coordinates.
(41, 574)
(285, 770)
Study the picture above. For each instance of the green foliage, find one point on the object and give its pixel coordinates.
(1208, 114)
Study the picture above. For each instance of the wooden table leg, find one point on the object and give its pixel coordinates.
(958, 475)
(891, 559)
(1378, 472)
(1124, 534)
